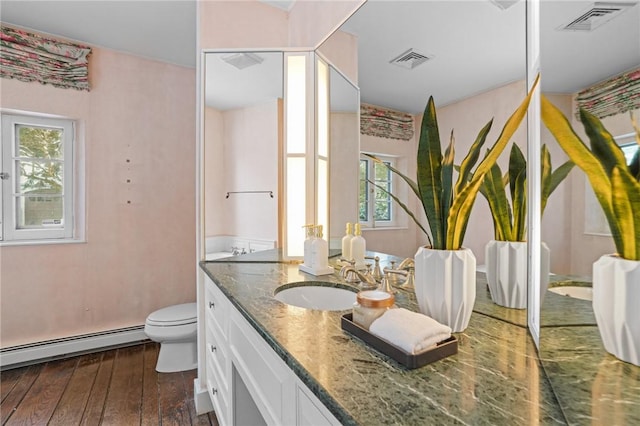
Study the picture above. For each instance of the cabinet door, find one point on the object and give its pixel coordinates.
(310, 411)
(267, 378)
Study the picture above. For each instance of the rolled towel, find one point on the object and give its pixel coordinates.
(411, 331)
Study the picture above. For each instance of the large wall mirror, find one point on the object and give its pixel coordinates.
(244, 136)
(242, 124)
(573, 225)
(470, 55)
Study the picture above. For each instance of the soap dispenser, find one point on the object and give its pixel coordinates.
(346, 242)
(358, 247)
(316, 253)
(310, 236)
(320, 251)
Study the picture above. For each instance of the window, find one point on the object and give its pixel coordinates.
(37, 178)
(376, 207)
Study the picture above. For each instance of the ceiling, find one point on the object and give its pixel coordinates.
(475, 45)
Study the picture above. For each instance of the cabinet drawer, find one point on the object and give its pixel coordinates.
(217, 358)
(216, 308)
(219, 396)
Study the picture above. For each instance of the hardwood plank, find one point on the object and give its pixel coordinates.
(74, 400)
(197, 420)
(27, 375)
(39, 403)
(150, 405)
(174, 409)
(95, 403)
(8, 380)
(123, 403)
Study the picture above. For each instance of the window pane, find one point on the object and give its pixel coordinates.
(39, 211)
(382, 173)
(39, 177)
(629, 151)
(40, 142)
(363, 207)
(383, 210)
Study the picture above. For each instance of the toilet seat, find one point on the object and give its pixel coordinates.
(172, 316)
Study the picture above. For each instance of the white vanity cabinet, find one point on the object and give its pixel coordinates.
(248, 383)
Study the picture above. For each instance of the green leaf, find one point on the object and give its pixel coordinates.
(471, 158)
(429, 167)
(545, 177)
(463, 202)
(560, 174)
(626, 200)
(493, 190)
(603, 146)
(447, 180)
(580, 154)
(517, 163)
(519, 200)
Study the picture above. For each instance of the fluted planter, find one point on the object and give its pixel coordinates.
(445, 282)
(507, 272)
(616, 291)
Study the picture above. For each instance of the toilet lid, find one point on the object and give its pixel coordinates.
(174, 315)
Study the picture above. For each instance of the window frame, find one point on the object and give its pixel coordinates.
(10, 233)
(371, 222)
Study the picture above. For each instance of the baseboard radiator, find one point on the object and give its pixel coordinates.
(19, 356)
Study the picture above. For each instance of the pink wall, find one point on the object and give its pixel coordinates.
(138, 257)
(326, 16)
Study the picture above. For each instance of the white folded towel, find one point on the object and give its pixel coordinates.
(410, 331)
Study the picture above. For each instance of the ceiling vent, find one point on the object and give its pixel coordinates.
(596, 16)
(243, 60)
(410, 59)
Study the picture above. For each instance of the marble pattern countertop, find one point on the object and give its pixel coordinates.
(495, 378)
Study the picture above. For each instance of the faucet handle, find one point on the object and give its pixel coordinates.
(351, 262)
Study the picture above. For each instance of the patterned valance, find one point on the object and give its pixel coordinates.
(385, 123)
(611, 97)
(30, 57)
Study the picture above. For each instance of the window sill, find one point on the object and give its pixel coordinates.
(386, 228)
(40, 242)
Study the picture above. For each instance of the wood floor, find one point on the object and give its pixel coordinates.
(116, 387)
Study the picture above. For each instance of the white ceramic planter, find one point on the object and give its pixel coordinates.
(616, 291)
(507, 272)
(445, 284)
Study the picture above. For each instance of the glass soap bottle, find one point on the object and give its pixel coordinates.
(370, 305)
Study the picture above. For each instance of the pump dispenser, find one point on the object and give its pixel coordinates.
(346, 242)
(320, 251)
(316, 253)
(310, 236)
(358, 247)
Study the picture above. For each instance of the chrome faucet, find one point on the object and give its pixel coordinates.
(406, 269)
(352, 275)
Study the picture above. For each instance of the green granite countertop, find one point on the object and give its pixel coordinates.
(496, 378)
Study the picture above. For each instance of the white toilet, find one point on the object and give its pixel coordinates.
(174, 327)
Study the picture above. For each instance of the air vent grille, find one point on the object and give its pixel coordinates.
(596, 16)
(410, 59)
(243, 60)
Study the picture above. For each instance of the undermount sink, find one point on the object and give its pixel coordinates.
(322, 296)
(578, 292)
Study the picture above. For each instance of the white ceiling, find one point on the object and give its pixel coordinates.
(475, 45)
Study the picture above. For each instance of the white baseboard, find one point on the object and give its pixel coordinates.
(201, 398)
(16, 356)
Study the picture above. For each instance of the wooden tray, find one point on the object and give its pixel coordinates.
(442, 350)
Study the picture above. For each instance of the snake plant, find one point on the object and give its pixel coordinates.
(448, 206)
(615, 184)
(509, 220)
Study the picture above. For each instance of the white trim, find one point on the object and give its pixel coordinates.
(25, 354)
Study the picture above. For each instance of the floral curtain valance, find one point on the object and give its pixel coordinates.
(30, 57)
(385, 123)
(611, 97)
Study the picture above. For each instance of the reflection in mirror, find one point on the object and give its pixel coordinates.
(474, 75)
(344, 148)
(572, 351)
(242, 143)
